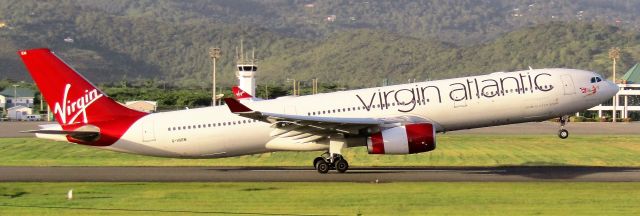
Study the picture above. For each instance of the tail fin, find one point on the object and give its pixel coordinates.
(241, 94)
(74, 100)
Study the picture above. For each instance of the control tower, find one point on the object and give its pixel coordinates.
(246, 70)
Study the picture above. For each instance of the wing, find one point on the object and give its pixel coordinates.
(310, 128)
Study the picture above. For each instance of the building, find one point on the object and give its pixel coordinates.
(17, 97)
(18, 113)
(144, 106)
(246, 73)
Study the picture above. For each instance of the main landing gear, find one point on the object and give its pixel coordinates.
(333, 158)
(563, 133)
(324, 163)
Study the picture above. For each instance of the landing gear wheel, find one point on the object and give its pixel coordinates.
(563, 133)
(322, 166)
(342, 165)
(315, 161)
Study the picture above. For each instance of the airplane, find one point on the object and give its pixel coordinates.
(397, 119)
(242, 95)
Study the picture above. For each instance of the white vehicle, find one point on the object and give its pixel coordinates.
(32, 118)
(399, 119)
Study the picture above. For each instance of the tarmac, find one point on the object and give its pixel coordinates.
(307, 174)
(12, 129)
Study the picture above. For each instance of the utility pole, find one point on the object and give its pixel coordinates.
(314, 86)
(293, 82)
(614, 54)
(15, 94)
(214, 53)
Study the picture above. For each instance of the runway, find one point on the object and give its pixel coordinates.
(297, 174)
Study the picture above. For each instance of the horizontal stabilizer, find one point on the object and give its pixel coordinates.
(57, 132)
(86, 133)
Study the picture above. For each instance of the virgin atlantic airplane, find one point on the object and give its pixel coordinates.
(399, 119)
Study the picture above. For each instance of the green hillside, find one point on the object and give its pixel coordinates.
(166, 42)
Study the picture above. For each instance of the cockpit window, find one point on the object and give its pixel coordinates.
(596, 79)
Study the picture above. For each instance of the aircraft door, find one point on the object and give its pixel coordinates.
(148, 131)
(462, 103)
(567, 85)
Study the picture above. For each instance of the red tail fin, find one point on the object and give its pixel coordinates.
(74, 100)
(241, 94)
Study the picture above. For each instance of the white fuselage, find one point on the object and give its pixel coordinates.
(452, 104)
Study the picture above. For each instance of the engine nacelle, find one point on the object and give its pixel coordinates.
(407, 139)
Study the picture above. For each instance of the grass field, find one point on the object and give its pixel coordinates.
(321, 198)
(452, 150)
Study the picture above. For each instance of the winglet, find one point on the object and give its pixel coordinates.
(235, 106)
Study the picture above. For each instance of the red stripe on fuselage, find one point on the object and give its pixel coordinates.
(75, 101)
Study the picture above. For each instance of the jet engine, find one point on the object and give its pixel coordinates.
(406, 139)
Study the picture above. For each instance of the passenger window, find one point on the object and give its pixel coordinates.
(593, 79)
(598, 79)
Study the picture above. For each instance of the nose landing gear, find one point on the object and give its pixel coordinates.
(563, 133)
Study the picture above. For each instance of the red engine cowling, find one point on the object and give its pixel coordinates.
(407, 139)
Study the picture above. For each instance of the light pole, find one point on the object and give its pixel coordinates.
(614, 54)
(214, 53)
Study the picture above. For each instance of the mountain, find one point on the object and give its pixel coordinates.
(350, 43)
